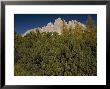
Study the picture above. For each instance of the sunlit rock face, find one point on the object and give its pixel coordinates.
(57, 26)
(31, 30)
(53, 27)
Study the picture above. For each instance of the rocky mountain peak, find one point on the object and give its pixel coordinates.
(57, 26)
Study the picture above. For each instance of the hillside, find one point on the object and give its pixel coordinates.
(58, 49)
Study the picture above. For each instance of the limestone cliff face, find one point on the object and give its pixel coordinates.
(57, 26)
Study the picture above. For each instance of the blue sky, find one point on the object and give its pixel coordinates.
(24, 22)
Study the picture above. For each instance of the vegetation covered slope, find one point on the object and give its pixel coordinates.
(73, 53)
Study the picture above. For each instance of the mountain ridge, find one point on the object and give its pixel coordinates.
(57, 26)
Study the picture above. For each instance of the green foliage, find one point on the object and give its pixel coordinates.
(90, 23)
(73, 53)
